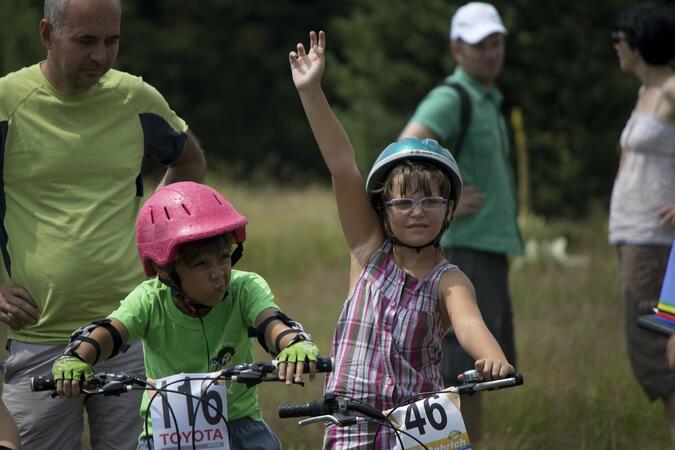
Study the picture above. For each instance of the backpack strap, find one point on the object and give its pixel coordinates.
(465, 115)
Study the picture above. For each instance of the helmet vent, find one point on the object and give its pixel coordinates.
(166, 212)
(186, 209)
(152, 216)
(217, 199)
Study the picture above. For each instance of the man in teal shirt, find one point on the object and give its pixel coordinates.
(485, 227)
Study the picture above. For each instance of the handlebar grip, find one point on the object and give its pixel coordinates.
(42, 384)
(323, 365)
(311, 409)
(513, 379)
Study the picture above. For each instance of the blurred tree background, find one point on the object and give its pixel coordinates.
(222, 64)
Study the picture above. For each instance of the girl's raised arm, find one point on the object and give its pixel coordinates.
(360, 224)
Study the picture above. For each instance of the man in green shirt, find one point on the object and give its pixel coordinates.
(73, 136)
(485, 228)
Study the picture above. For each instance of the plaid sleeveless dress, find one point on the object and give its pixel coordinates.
(386, 346)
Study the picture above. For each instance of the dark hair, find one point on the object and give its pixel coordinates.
(650, 29)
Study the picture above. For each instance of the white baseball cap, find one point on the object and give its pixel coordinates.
(474, 22)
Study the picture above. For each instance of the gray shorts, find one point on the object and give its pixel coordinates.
(55, 423)
(489, 273)
(641, 272)
(245, 434)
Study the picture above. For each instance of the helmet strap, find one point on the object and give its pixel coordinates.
(396, 241)
(237, 253)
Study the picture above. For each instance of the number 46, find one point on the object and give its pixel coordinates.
(414, 419)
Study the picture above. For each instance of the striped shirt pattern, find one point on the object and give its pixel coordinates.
(387, 345)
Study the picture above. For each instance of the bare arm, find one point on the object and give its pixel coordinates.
(667, 212)
(360, 224)
(190, 165)
(468, 325)
(414, 129)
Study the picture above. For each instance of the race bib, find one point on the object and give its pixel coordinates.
(201, 422)
(434, 421)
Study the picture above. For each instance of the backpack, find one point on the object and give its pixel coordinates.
(464, 118)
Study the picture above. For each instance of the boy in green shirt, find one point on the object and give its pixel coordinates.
(195, 315)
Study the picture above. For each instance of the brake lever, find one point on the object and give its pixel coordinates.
(337, 419)
(114, 388)
(107, 384)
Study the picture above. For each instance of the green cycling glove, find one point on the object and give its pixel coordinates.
(69, 367)
(299, 352)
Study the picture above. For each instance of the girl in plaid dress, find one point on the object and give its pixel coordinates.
(403, 294)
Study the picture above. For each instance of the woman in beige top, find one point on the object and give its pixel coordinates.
(642, 210)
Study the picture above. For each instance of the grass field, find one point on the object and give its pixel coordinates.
(579, 391)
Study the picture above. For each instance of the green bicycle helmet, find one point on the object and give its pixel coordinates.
(414, 149)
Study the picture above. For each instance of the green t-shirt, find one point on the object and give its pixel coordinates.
(483, 162)
(174, 342)
(70, 189)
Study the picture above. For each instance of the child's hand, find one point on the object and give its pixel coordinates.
(307, 68)
(493, 369)
(68, 371)
(292, 361)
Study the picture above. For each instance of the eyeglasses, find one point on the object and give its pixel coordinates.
(617, 36)
(408, 204)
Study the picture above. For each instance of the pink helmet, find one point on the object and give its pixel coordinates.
(179, 213)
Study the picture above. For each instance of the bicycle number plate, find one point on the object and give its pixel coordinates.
(179, 417)
(434, 421)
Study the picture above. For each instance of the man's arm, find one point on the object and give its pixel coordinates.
(190, 165)
(415, 129)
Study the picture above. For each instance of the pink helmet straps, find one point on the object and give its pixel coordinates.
(179, 213)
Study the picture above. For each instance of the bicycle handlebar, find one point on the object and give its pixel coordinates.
(118, 382)
(311, 409)
(106, 382)
(333, 409)
(327, 405)
(515, 379)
